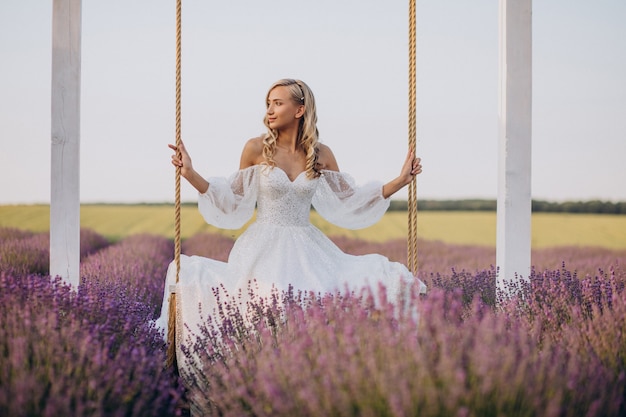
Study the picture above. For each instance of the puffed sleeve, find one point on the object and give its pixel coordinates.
(340, 201)
(229, 203)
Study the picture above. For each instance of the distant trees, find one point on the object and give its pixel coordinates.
(590, 206)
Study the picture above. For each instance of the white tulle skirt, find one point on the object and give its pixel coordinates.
(270, 258)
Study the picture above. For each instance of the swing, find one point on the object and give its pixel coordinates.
(412, 194)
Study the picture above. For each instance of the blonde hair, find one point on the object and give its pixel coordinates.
(307, 129)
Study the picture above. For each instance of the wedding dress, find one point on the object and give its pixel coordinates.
(281, 248)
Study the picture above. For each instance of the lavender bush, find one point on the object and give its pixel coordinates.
(26, 252)
(134, 269)
(208, 245)
(555, 347)
(340, 355)
(438, 257)
(91, 352)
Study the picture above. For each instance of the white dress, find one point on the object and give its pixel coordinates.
(281, 248)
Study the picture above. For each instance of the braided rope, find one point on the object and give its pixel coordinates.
(171, 329)
(178, 135)
(412, 203)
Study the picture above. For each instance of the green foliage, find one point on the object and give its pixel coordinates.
(591, 206)
(538, 206)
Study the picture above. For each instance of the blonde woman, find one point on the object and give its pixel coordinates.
(282, 174)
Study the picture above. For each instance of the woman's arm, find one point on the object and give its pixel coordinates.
(412, 167)
(182, 159)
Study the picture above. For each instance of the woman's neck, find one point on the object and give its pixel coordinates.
(288, 140)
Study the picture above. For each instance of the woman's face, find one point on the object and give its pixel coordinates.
(282, 112)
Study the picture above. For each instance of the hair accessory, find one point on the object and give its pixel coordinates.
(301, 91)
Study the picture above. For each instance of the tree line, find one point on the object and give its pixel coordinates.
(590, 206)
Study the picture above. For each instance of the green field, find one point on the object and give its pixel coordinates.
(548, 229)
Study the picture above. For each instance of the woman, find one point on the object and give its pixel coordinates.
(282, 174)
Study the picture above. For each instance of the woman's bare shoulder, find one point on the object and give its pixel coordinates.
(326, 158)
(252, 153)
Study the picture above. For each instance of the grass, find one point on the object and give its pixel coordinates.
(472, 228)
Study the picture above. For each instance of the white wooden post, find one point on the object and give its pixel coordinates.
(513, 245)
(65, 147)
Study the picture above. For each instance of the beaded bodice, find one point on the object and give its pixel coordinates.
(283, 202)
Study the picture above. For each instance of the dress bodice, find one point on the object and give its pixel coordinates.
(283, 202)
(230, 202)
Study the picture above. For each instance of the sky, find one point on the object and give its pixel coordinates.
(354, 56)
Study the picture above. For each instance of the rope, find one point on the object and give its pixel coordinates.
(412, 203)
(171, 328)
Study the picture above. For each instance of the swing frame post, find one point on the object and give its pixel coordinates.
(65, 142)
(514, 207)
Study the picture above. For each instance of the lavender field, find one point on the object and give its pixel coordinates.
(555, 347)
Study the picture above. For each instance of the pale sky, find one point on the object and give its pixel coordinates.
(354, 55)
